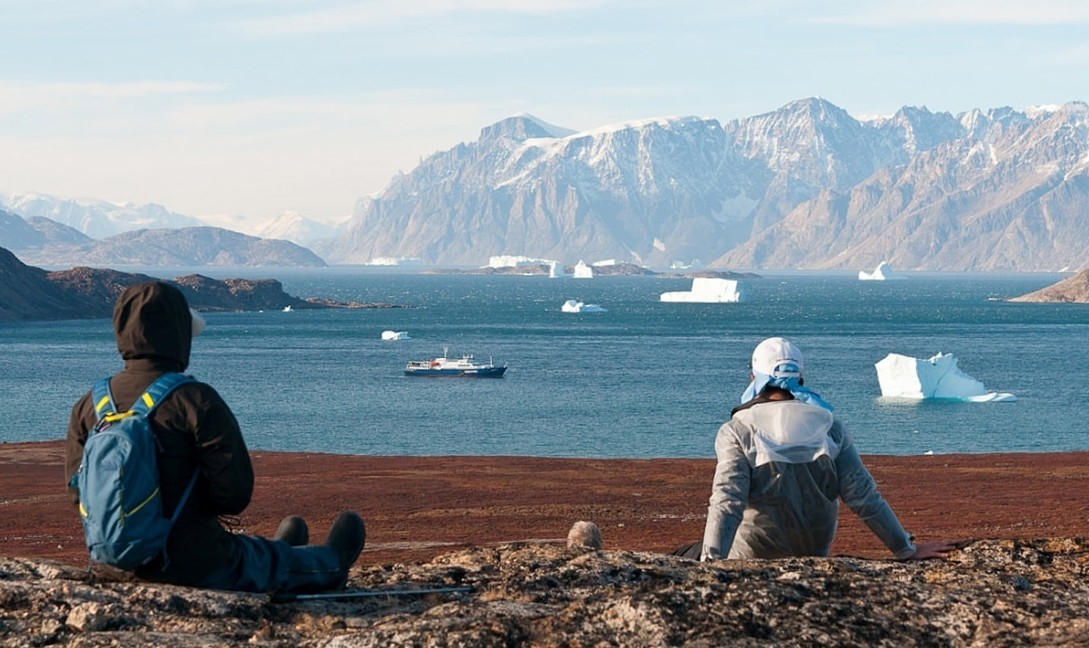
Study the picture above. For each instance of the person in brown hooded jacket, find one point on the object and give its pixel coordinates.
(197, 432)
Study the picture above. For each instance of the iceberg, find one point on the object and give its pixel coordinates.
(706, 290)
(555, 270)
(572, 306)
(514, 261)
(393, 261)
(583, 271)
(395, 335)
(902, 376)
(883, 272)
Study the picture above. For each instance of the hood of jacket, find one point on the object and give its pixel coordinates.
(152, 323)
(788, 431)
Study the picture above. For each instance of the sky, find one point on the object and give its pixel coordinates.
(240, 110)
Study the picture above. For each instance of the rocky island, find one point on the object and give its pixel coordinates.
(1074, 289)
(30, 294)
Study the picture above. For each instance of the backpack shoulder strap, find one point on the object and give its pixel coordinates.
(159, 390)
(102, 399)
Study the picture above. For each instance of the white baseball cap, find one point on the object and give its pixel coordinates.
(777, 357)
(198, 322)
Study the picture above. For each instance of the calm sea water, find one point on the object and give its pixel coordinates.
(644, 379)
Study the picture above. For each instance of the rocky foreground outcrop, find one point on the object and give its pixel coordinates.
(989, 593)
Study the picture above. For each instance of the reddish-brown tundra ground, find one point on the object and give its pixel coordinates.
(419, 507)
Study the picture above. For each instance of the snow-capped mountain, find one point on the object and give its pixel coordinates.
(290, 226)
(804, 186)
(95, 218)
(807, 185)
(649, 192)
(1010, 193)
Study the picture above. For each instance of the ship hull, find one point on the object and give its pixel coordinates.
(483, 372)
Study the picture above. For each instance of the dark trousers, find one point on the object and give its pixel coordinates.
(262, 565)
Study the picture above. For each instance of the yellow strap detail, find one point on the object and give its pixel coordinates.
(147, 400)
(82, 511)
(117, 416)
(102, 403)
(144, 503)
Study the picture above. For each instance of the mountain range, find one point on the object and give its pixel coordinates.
(42, 241)
(804, 186)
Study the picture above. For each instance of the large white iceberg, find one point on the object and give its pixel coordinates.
(582, 271)
(395, 335)
(706, 290)
(883, 272)
(902, 376)
(573, 306)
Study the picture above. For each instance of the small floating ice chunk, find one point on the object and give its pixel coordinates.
(573, 306)
(287, 309)
(395, 335)
(707, 290)
(939, 376)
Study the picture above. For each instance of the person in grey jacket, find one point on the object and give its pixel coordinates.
(784, 462)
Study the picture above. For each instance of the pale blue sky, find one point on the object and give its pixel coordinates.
(248, 108)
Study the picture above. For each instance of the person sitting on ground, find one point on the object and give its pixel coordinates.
(197, 433)
(784, 461)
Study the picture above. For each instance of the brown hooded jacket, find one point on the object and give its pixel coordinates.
(194, 426)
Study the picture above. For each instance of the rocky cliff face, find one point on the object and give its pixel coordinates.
(1007, 195)
(990, 593)
(805, 186)
(648, 192)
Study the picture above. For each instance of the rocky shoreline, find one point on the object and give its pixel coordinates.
(1073, 289)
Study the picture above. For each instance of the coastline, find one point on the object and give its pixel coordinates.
(418, 508)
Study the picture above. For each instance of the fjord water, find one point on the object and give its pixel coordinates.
(644, 379)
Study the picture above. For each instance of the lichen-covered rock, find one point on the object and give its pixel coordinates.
(989, 593)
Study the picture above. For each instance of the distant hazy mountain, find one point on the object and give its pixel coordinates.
(185, 247)
(290, 226)
(807, 185)
(95, 218)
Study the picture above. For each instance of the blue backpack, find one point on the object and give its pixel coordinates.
(118, 479)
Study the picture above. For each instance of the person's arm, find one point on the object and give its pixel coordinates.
(224, 459)
(929, 550)
(729, 496)
(80, 422)
(859, 493)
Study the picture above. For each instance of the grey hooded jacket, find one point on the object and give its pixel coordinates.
(782, 468)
